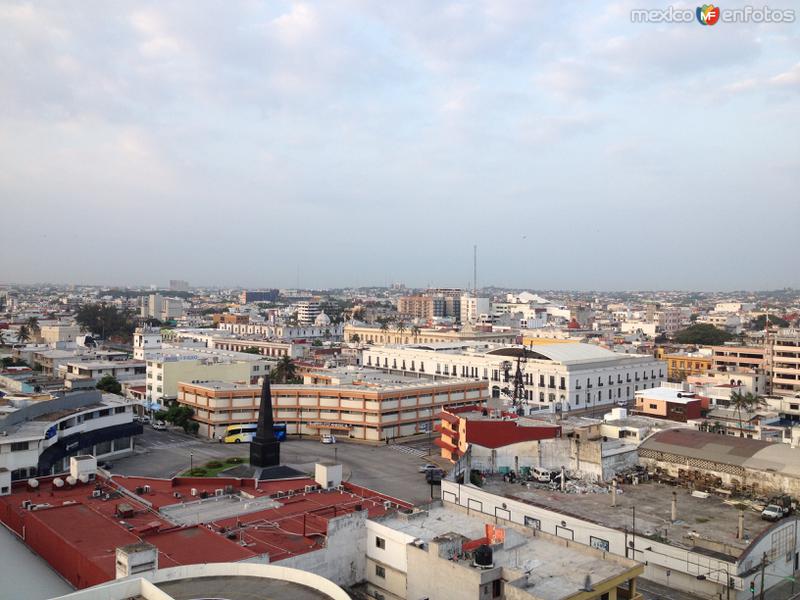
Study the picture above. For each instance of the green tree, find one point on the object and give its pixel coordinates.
(415, 331)
(401, 329)
(353, 338)
(760, 322)
(285, 371)
(23, 335)
(747, 402)
(106, 320)
(703, 333)
(109, 384)
(180, 416)
(251, 350)
(33, 325)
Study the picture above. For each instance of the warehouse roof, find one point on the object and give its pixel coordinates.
(727, 449)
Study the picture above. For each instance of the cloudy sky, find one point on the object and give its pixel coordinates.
(359, 142)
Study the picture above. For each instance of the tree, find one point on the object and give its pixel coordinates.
(251, 350)
(33, 325)
(702, 333)
(415, 331)
(109, 384)
(106, 320)
(23, 335)
(760, 322)
(747, 402)
(401, 329)
(285, 371)
(353, 338)
(180, 416)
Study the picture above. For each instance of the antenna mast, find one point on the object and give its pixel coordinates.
(475, 270)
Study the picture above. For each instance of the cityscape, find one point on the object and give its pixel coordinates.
(399, 301)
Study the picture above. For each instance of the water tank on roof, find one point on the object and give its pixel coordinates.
(483, 557)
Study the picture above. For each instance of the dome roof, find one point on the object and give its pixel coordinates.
(322, 320)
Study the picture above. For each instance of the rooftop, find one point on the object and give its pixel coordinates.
(553, 570)
(711, 519)
(667, 394)
(238, 519)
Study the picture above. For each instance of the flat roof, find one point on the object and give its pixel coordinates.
(553, 570)
(709, 518)
(668, 395)
(238, 587)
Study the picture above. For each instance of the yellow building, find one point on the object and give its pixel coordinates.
(681, 365)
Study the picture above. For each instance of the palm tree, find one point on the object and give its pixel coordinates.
(285, 371)
(23, 335)
(385, 326)
(33, 325)
(415, 331)
(401, 329)
(747, 402)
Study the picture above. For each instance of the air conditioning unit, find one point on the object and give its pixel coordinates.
(176, 494)
(97, 493)
(309, 488)
(219, 492)
(26, 504)
(147, 489)
(387, 504)
(193, 491)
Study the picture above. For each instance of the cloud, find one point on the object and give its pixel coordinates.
(788, 79)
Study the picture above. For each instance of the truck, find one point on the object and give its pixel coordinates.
(773, 512)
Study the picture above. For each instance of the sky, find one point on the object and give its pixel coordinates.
(356, 143)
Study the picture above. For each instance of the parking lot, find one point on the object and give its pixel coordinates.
(391, 469)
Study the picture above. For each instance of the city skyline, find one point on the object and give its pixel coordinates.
(362, 145)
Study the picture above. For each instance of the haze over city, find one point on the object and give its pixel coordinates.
(351, 144)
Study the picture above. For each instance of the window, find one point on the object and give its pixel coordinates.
(533, 523)
(653, 406)
(380, 543)
(19, 446)
(119, 410)
(497, 588)
(562, 384)
(380, 571)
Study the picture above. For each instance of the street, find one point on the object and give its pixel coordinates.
(168, 453)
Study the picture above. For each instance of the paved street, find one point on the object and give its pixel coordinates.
(167, 453)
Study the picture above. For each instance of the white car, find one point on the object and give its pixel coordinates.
(328, 438)
(773, 512)
(426, 468)
(160, 426)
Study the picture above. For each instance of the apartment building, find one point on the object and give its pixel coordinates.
(739, 358)
(308, 310)
(248, 296)
(156, 306)
(416, 307)
(361, 404)
(573, 376)
(681, 365)
(785, 358)
(472, 308)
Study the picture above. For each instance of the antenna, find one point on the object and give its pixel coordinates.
(475, 270)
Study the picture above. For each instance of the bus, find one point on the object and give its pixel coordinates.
(245, 432)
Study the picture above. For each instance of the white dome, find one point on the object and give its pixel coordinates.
(322, 320)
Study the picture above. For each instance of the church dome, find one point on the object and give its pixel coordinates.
(322, 320)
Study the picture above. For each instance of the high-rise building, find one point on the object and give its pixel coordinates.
(248, 296)
(785, 359)
(308, 310)
(178, 285)
(156, 306)
(416, 307)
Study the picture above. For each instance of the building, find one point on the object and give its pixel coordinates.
(147, 341)
(308, 311)
(178, 285)
(472, 308)
(271, 348)
(107, 527)
(166, 370)
(58, 333)
(416, 307)
(785, 359)
(156, 306)
(283, 332)
(742, 464)
(668, 403)
(248, 296)
(233, 581)
(573, 376)
(375, 334)
(681, 365)
(726, 321)
(497, 442)
(739, 358)
(40, 436)
(444, 551)
(361, 404)
(95, 370)
(692, 543)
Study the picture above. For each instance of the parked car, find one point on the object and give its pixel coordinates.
(426, 468)
(773, 512)
(328, 438)
(144, 419)
(542, 475)
(160, 426)
(434, 475)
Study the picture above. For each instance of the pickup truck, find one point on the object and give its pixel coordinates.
(773, 512)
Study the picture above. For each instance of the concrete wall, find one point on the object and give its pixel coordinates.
(343, 559)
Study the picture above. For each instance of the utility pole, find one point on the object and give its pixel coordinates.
(763, 567)
(475, 270)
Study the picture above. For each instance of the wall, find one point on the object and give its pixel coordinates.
(343, 560)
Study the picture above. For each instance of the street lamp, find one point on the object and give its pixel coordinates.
(191, 461)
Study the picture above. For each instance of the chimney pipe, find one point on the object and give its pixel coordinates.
(674, 506)
(614, 493)
(740, 530)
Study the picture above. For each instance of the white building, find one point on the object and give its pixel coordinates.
(472, 308)
(146, 341)
(156, 306)
(283, 332)
(572, 375)
(308, 310)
